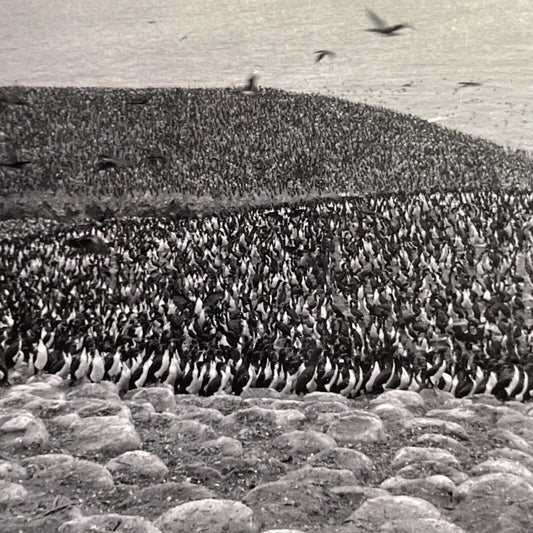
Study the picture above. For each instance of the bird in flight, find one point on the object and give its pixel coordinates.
(465, 84)
(12, 161)
(382, 27)
(106, 161)
(469, 83)
(140, 100)
(321, 54)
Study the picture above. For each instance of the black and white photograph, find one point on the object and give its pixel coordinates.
(266, 266)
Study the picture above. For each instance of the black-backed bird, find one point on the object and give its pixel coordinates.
(321, 54)
(382, 27)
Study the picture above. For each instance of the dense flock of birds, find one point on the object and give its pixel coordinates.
(354, 295)
(227, 143)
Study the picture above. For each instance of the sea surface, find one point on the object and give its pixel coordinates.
(216, 43)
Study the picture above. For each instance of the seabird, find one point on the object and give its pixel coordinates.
(105, 162)
(321, 54)
(381, 25)
(89, 243)
(465, 84)
(251, 83)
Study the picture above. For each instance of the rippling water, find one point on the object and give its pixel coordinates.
(216, 43)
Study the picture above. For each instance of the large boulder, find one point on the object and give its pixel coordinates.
(20, 429)
(12, 493)
(305, 442)
(108, 435)
(504, 501)
(414, 454)
(161, 398)
(137, 464)
(373, 513)
(354, 461)
(208, 516)
(357, 427)
(62, 469)
(408, 399)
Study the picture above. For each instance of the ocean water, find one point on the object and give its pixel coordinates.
(214, 43)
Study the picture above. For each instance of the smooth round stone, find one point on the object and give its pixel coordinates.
(91, 407)
(205, 415)
(436, 489)
(22, 429)
(325, 476)
(511, 440)
(375, 512)
(525, 459)
(495, 485)
(208, 516)
(12, 471)
(63, 469)
(392, 413)
(413, 454)
(277, 418)
(141, 412)
(162, 398)
(408, 399)
(437, 424)
(354, 461)
(441, 441)
(312, 409)
(191, 430)
(222, 402)
(137, 463)
(103, 434)
(505, 466)
(227, 446)
(305, 442)
(359, 427)
(12, 493)
(320, 397)
(105, 390)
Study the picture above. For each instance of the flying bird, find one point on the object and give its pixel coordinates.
(12, 161)
(15, 164)
(321, 54)
(140, 100)
(382, 27)
(105, 162)
(464, 84)
(12, 100)
(89, 243)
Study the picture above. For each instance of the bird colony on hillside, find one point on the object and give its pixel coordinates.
(221, 142)
(355, 295)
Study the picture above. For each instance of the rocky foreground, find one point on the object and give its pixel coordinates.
(77, 459)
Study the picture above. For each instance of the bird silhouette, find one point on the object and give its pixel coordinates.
(12, 161)
(89, 243)
(465, 84)
(12, 100)
(321, 54)
(141, 100)
(382, 27)
(14, 164)
(106, 161)
(251, 83)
